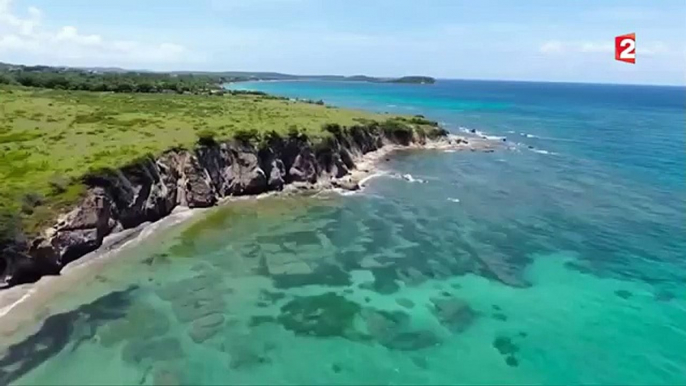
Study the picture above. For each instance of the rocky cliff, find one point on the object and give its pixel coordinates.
(150, 188)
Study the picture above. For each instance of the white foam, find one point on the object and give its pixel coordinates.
(410, 178)
(369, 177)
(481, 134)
(541, 151)
(454, 199)
(5, 310)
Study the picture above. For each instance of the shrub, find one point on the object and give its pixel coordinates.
(30, 201)
(293, 132)
(207, 137)
(333, 128)
(246, 135)
(58, 184)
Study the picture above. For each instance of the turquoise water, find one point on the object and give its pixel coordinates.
(557, 260)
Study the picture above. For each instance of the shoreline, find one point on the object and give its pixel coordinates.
(22, 307)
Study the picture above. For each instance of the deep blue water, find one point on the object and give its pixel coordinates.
(616, 164)
(557, 259)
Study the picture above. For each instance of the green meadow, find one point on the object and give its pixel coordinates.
(50, 138)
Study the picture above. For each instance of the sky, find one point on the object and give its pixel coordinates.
(544, 40)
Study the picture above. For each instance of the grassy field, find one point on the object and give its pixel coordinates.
(50, 138)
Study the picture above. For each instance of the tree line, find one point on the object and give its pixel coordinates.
(112, 82)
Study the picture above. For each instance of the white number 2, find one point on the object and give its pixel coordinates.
(630, 51)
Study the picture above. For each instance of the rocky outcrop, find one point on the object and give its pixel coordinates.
(150, 188)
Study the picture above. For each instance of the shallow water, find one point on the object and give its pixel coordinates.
(507, 267)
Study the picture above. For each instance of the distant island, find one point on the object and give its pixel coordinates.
(415, 79)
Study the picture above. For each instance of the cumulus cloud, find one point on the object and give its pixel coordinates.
(24, 35)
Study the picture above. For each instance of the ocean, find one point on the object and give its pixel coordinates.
(560, 258)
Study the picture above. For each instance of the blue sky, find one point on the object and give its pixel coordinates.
(519, 39)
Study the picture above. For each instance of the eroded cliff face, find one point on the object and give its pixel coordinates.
(149, 189)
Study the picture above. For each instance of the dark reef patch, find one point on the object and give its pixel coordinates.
(508, 349)
(59, 331)
(322, 316)
(324, 274)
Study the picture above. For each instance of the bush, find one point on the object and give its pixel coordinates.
(246, 135)
(10, 227)
(333, 128)
(207, 137)
(58, 184)
(293, 132)
(30, 201)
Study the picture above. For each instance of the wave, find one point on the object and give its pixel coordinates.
(542, 151)
(481, 134)
(408, 177)
(369, 177)
(453, 199)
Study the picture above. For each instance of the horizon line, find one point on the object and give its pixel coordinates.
(114, 67)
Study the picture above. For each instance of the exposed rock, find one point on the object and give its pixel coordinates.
(275, 180)
(453, 313)
(304, 167)
(148, 189)
(346, 184)
(94, 212)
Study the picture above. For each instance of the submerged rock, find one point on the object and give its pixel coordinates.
(245, 351)
(206, 327)
(323, 315)
(151, 351)
(140, 323)
(407, 303)
(505, 345)
(58, 332)
(189, 309)
(392, 330)
(166, 376)
(453, 313)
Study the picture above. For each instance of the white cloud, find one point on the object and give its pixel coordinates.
(605, 47)
(551, 47)
(654, 48)
(26, 37)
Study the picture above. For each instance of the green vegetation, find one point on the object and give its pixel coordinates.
(414, 79)
(126, 82)
(50, 139)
